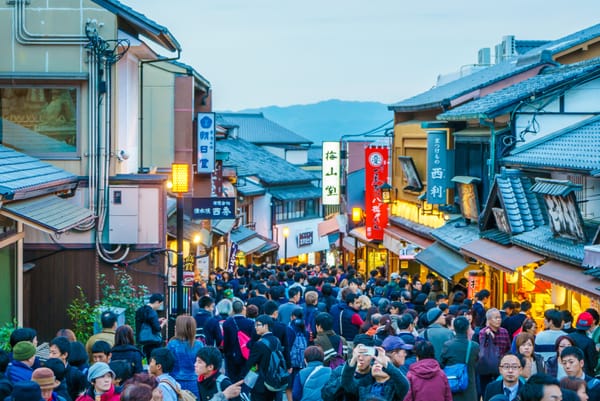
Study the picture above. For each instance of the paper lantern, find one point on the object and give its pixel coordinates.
(559, 295)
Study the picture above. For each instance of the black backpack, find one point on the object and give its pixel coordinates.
(277, 376)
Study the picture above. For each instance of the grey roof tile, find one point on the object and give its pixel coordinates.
(455, 234)
(21, 174)
(504, 100)
(575, 148)
(541, 240)
(256, 128)
(252, 160)
(439, 96)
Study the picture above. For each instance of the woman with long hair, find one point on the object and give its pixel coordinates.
(553, 366)
(579, 386)
(125, 349)
(185, 346)
(534, 363)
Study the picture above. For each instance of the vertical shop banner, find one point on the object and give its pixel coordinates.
(437, 167)
(232, 254)
(331, 173)
(376, 174)
(206, 143)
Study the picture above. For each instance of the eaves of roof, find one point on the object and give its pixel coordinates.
(574, 148)
(441, 96)
(257, 129)
(140, 24)
(191, 71)
(455, 233)
(542, 240)
(549, 81)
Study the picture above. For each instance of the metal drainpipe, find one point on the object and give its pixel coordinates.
(492, 160)
(141, 110)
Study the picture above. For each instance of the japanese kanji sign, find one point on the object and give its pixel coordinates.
(213, 208)
(331, 173)
(437, 167)
(206, 143)
(376, 173)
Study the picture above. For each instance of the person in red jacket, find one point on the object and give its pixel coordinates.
(427, 380)
(101, 377)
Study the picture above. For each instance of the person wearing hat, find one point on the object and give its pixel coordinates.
(100, 377)
(25, 391)
(58, 368)
(396, 349)
(584, 343)
(435, 332)
(21, 368)
(47, 381)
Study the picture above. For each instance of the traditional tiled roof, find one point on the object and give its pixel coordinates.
(511, 190)
(252, 160)
(22, 176)
(505, 100)
(138, 23)
(546, 186)
(455, 233)
(441, 96)
(523, 46)
(542, 240)
(574, 148)
(255, 128)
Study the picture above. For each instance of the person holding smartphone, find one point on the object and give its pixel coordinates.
(385, 381)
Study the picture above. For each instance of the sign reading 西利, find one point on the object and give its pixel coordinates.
(437, 167)
(213, 208)
(376, 174)
(304, 239)
(331, 173)
(206, 143)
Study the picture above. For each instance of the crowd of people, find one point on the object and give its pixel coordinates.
(298, 332)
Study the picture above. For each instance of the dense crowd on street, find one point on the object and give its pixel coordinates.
(298, 332)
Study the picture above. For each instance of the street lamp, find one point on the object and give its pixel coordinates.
(286, 234)
(386, 193)
(180, 185)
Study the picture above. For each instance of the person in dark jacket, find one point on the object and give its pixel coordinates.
(348, 319)
(58, 368)
(586, 344)
(5, 384)
(124, 349)
(147, 315)
(210, 381)
(60, 347)
(427, 380)
(21, 367)
(207, 325)
(553, 366)
(282, 331)
(511, 366)
(260, 355)
(385, 380)
(455, 351)
(234, 360)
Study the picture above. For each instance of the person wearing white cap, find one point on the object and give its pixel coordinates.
(100, 377)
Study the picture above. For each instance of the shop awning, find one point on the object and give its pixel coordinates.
(349, 242)
(506, 258)
(251, 245)
(222, 227)
(332, 225)
(570, 277)
(360, 233)
(190, 230)
(405, 235)
(47, 213)
(289, 193)
(441, 260)
(270, 246)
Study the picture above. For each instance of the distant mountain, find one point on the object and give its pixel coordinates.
(330, 119)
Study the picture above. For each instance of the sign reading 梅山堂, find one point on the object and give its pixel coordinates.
(331, 173)
(213, 208)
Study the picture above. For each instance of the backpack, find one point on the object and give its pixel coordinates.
(332, 390)
(220, 379)
(243, 340)
(297, 350)
(334, 358)
(458, 374)
(276, 377)
(183, 395)
(200, 336)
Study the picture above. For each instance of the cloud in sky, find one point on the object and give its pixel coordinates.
(280, 52)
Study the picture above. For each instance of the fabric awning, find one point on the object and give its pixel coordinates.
(251, 245)
(506, 258)
(47, 213)
(222, 227)
(349, 242)
(328, 226)
(360, 233)
(270, 246)
(570, 277)
(289, 193)
(441, 260)
(405, 235)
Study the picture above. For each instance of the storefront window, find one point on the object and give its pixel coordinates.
(39, 121)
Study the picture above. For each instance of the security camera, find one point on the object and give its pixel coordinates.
(122, 155)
